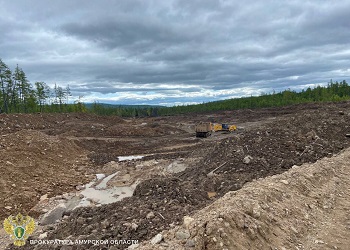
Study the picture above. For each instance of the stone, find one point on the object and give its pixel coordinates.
(150, 215)
(247, 159)
(42, 236)
(134, 226)
(190, 243)
(43, 197)
(80, 187)
(105, 224)
(157, 239)
(187, 221)
(52, 216)
(319, 242)
(284, 182)
(256, 211)
(182, 235)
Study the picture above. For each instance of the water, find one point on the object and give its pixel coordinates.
(130, 157)
(100, 194)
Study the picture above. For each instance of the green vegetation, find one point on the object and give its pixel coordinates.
(124, 110)
(18, 95)
(333, 92)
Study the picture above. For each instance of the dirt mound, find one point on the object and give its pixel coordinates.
(33, 164)
(304, 208)
(270, 149)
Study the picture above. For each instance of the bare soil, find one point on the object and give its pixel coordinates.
(268, 142)
(307, 207)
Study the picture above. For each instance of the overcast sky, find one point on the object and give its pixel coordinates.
(174, 52)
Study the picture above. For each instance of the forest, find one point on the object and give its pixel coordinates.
(18, 95)
(332, 92)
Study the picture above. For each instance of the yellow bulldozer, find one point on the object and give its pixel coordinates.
(205, 129)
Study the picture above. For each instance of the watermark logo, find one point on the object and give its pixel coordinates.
(19, 228)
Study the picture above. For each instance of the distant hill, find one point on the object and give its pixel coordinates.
(107, 105)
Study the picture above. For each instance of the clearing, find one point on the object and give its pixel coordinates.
(62, 160)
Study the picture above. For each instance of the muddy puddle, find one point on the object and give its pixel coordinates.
(100, 194)
(97, 191)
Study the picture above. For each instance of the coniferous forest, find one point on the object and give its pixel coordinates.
(18, 95)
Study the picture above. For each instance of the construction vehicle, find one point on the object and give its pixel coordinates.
(205, 129)
(224, 127)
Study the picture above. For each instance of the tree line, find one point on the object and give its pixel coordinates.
(332, 92)
(18, 95)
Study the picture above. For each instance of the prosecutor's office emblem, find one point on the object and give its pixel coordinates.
(19, 228)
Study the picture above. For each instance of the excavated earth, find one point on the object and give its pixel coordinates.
(306, 207)
(53, 153)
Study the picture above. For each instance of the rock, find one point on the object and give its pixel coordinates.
(42, 236)
(319, 242)
(187, 221)
(190, 243)
(52, 216)
(80, 220)
(150, 215)
(72, 203)
(127, 224)
(211, 174)
(43, 197)
(247, 159)
(8, 207)
(182, 235)
(256, 211)
(157, 239)
(66, 196)
(105, 224)
(134, 226)
(284, 182)
(175, 167)
(80, 187)
(100, 176)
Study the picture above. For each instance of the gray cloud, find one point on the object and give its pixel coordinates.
(176, 51)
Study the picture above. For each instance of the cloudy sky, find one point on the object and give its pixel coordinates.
(171, 52)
